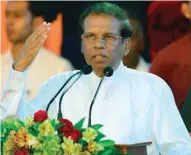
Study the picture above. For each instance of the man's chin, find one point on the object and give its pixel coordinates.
(12, 39)
(100, 65)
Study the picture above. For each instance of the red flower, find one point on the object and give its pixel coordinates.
(23, 151)
(67, 128)
(40, 116)
(75, 135)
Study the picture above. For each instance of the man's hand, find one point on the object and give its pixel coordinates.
(31, 47)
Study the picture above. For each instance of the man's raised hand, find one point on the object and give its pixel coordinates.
(31, 47)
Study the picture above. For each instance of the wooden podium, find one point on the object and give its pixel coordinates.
(134, 149)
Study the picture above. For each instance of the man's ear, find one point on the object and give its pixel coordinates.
(37, 21)
(185, 10)
(127, 44)
(142, 44)
(82, 47)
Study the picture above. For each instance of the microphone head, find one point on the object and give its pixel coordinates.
(87, 69)
(108, 71)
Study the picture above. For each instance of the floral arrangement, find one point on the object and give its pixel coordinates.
(43, 136)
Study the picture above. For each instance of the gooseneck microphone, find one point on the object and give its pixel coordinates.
(108, 71)
(85, 70)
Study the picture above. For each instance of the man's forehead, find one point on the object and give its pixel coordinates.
(101, 22)
(18, 6)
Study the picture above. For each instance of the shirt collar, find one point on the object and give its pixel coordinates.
(142, 65)
(117, 71)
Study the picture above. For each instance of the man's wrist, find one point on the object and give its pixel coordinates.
(17, 68)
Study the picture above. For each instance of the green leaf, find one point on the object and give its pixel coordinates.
(21, 123)
(3, 139)
(82, 142)
(99, 136)
(57, 126)
(111, 151)
(97, 126)
(106, 143)
(33, 130)
(106, 152)
(53, 122)
(37, 124)
(79, 124)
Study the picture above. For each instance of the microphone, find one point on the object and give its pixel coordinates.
(108, 71)
(85, 70)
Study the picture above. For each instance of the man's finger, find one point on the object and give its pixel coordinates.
(38, 28)
(42, 37)
(37, 45)
(43, 28)
(41, 42)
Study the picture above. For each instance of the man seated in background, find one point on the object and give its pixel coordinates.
(20, 23)
(134, 59)
(173, 63)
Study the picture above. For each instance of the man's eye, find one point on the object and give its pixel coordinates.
(108, 37)
(90, 36)
(18, 15)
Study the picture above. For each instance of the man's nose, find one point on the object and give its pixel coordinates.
(99, 43)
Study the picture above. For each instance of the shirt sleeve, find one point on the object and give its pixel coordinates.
(13, 93)
(170, 132)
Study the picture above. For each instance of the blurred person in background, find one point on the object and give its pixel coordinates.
(173, 63)
(20, 23)
(166, 24)
(55, 35)
(134, 59)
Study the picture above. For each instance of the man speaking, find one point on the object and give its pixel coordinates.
(133, 106)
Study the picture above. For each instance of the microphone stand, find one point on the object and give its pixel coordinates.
(60, 90)
(108, 71)
(92, 103)
(60, 102)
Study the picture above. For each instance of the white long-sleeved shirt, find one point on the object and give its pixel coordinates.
(133, 106)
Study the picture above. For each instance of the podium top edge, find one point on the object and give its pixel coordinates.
(134, 145)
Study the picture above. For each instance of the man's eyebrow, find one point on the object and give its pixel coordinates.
(107, 33)
(89, 33)
(14, 11)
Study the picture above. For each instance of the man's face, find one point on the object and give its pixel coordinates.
(102, 52)
(18, 21)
